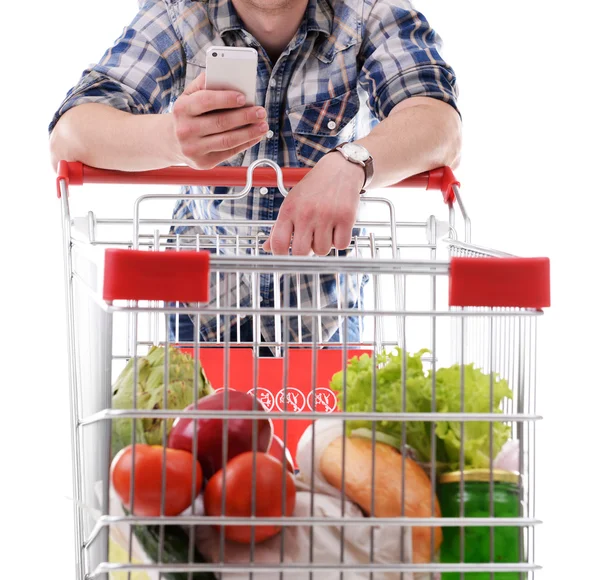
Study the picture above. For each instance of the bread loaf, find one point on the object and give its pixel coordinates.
(358, 485)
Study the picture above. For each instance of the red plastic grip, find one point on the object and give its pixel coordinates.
(71, 173)
(500, 282)
(76, 173)
(145, 275)
(443, 180)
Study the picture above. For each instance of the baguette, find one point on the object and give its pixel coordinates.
(388, 487)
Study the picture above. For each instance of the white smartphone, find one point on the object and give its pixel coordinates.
(232, 68)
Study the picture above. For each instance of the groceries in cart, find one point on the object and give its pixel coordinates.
(280, 454)
(210, 467)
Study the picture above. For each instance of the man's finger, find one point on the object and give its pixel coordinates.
(198, 84)
(221, 121)
(232, 139)
(215, 158)
(342, 236)
(322, 241)
(302, 242)
(280, 239)
(202, 102)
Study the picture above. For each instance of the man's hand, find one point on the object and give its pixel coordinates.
(213, 126)
(320, 212)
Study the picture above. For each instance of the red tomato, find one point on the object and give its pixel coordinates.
(149, 479)
(238, 495)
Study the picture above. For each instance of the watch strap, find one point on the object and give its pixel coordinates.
(366, 165)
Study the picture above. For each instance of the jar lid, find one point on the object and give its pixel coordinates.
(482, 475)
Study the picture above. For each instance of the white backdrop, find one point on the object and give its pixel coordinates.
(529, 90)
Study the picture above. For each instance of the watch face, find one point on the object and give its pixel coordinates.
(356, 152)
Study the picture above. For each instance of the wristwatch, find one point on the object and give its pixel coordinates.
(356, 153)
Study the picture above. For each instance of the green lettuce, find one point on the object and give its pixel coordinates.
(358, 398)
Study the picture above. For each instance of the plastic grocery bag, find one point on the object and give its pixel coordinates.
(325, 541)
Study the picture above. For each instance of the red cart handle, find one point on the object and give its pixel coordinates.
(76, 173)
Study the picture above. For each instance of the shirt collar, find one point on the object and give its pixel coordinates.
(319, 16)
(222, 14)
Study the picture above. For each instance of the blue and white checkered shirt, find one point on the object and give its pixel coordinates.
(348, 65)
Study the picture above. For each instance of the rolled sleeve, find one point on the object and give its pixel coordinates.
(401, 58)
(140, 73)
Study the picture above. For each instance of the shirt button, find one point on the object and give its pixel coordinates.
(331, 125)
(263, 191)
(269, 134)
(273, 83)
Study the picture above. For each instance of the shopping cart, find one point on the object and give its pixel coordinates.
(450, 428)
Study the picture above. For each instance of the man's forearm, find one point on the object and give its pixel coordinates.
(101, 136)
(420, 134)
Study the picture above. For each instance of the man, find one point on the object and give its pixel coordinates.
(330, 71)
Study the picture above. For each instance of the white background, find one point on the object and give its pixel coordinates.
(529, 95)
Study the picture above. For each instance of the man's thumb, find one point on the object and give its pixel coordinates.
(198, 84)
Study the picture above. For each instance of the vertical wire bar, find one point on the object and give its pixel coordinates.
(377, 323)
(338, 294)
(344, 331)
(462, 444)
(154, 334)
(255, 302)
(530, 427)
(218, 290)
(197, 367)
(311, 554)
(196, 387)
(452, 220)
(225, 421)
(73, 381)
(344, 426)
(237, 289)
(373, 458)
(178, 248)
(520, 426)
(399, 280)
(491, 451)
(135, 329)
(506, 366)
(433, 307)
(286, 364)
(256, 320)
(525, 482)
(404, 447)
(277, 317)
(532, 480)
(128, 326)
(320, 319)
(133, 435)
(377, 330)
(163, 489)
(154, 317)
(299, 305)
(107, 395)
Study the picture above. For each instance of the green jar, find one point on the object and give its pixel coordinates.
(475, 497)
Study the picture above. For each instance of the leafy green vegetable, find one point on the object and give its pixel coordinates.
(150, 394)
(419, 390)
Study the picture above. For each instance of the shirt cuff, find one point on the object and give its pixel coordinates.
(423, 81)
(97, 88)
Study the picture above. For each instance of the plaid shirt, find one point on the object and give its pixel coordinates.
(349, 64)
